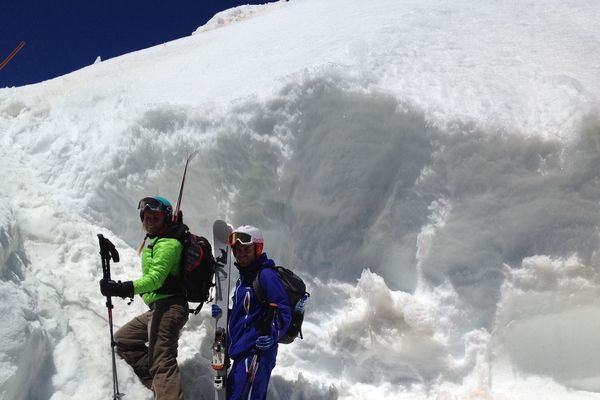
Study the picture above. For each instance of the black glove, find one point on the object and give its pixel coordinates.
(112, 288)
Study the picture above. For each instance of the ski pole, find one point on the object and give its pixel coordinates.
(12, 54)
(264, 329)
(176, 217)
(108, 251)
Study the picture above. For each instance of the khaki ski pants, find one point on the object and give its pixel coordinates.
(149, 344)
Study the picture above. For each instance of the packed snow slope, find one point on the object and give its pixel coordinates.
(430, 168)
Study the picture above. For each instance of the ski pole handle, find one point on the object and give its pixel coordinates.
(108, 251)
(264, 328)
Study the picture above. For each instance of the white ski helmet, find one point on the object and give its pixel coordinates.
(248, 234)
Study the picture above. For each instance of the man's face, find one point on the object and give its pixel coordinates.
(244, 254)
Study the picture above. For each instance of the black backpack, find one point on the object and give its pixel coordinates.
(197, 268)
(296, 290)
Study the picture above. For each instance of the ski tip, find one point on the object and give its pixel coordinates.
(222, 225)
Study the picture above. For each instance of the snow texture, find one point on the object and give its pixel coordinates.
(429, 167)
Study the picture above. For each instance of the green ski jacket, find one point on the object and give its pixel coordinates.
(160, 257)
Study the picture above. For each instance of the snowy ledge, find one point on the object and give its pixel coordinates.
(236, 14)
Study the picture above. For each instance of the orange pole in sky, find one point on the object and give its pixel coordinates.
(11, 55)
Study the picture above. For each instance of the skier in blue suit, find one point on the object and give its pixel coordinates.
(246, 343)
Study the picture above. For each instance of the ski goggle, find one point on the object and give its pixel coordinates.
(241, 237)
(150, 203)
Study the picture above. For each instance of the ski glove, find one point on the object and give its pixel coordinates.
(264, 342)
(120, 289)
(216, 311)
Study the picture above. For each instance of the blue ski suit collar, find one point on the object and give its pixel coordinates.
(249, 272)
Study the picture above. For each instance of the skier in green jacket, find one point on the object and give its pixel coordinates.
(155, 363)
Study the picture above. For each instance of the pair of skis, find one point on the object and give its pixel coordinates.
(220, 361)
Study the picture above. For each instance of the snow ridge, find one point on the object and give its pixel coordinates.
(237, 14)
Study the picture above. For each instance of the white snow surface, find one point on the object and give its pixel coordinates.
(430, 168)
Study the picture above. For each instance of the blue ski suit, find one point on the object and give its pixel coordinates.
(244, 315)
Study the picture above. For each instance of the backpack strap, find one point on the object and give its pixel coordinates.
(260, 294)
(197, 309)
(258, 291)
(176, 231)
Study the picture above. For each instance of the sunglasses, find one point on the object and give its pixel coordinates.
(241, 237)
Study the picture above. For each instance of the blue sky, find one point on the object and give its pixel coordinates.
(65, 35)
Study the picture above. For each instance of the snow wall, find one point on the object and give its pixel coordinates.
(447, 258)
